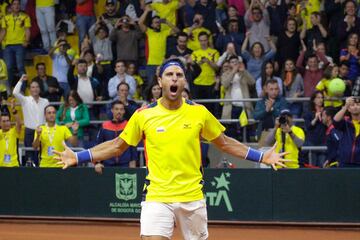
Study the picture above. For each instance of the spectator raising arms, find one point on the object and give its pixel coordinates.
(33, 111)
(258, 23)
(257, 55)
(61, 64)
(194, 30)
(156, 41)
(312, 74)
(349, 127)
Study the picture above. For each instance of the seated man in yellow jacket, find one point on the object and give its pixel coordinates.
(289, 138)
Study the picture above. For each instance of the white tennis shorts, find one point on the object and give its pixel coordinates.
(159, 219)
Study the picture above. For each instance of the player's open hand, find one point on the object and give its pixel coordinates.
(274, 159)
(67, 158)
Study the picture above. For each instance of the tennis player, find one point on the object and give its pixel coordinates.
(171, 129)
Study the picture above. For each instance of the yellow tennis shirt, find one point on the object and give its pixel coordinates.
(15, 28)
(51, 139)
(172, 149)
(207, 75)
(290, 146)
(9, 148)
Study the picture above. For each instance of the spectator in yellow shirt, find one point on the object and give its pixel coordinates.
(289, 138)
(194, 31)
(166, 9)
(155, 44)
(9, 137)
(207, 58)
(50, 137)
(15, 35)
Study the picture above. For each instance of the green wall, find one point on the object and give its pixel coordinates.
(303, 195)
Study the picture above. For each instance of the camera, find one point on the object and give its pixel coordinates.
(125, 20)
(283, 120)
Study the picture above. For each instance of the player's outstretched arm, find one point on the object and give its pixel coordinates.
(98, 153)
(237, 149)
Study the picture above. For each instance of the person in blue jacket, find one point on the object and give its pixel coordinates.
(349, 152)
(110, 130)
(332, 137)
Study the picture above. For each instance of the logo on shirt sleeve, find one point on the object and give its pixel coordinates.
(160, 129)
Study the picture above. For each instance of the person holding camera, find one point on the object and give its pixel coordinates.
(61, 64)
(289, 138)
(194, 31)
(126, 34)
(350, 128)
(103, 55)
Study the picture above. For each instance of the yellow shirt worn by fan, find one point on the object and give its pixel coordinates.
(9, 148)
(51, 138)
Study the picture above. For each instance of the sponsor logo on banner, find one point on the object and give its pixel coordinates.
(126, 186)
(126, 192)
(219, 196)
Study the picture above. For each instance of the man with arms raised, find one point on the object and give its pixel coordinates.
(171, 129)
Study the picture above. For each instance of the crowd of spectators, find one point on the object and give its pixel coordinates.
(103, 58)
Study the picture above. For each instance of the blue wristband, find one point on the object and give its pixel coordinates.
(254, 155)
(84, 156)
